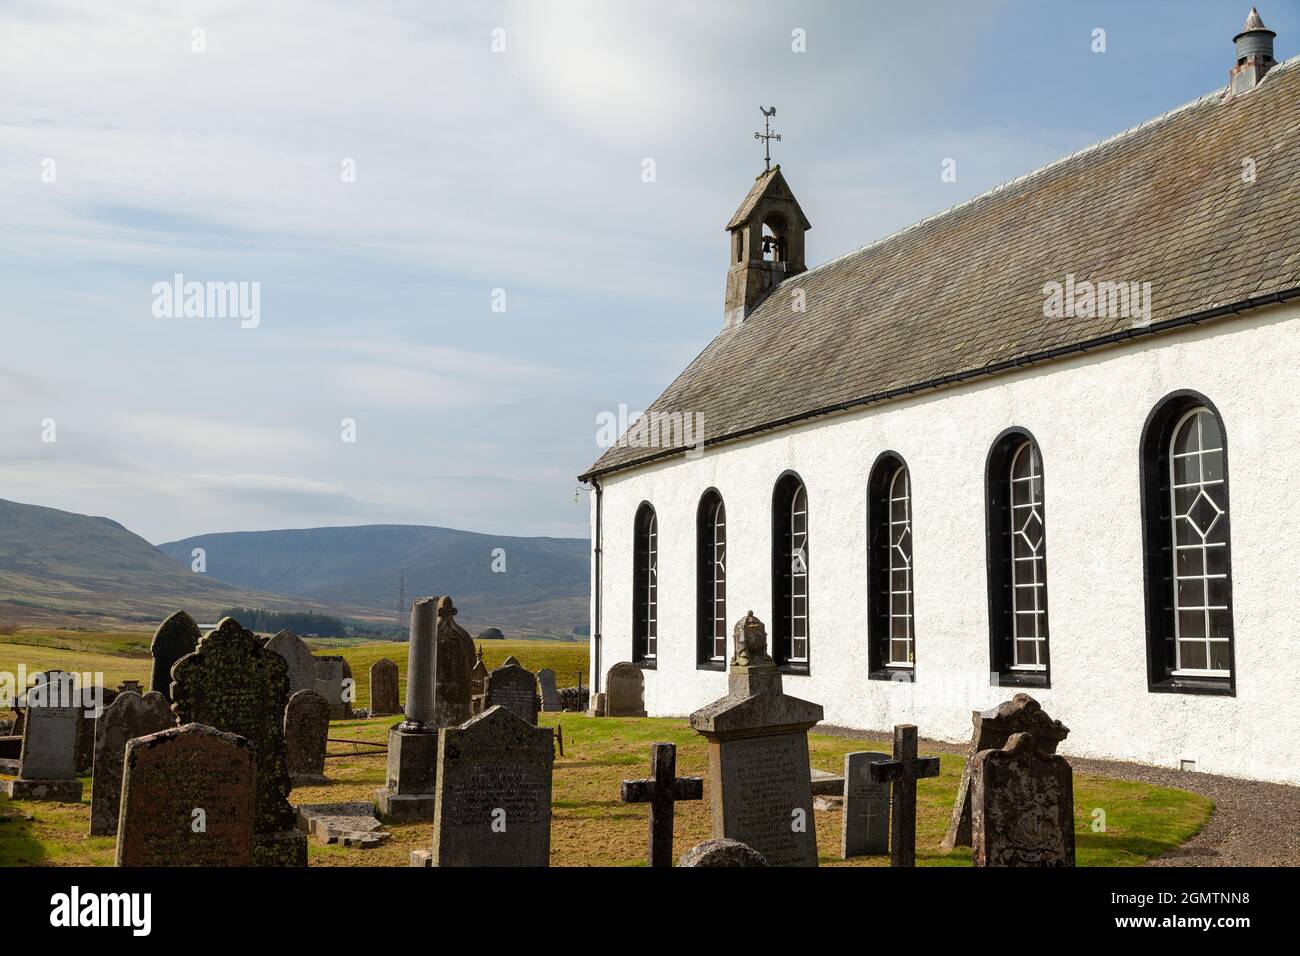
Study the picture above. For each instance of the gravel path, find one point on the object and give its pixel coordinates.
(1253, 824)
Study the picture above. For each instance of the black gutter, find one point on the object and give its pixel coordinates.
(1033, 358)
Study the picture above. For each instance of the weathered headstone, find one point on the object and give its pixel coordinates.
(478, 683)
(101, 697)
(625, 691)
(453, 669)
(865, 827)
(494, 794)
(351, 825)
(1021, 714)
(759, 777)
(512, 687)
(127, 717)
(902, 771)
(176, 636)
(511, 660)
(306, 730)
(329, 683)
(383, 688)
(722, 853)
(188, 799)
(408, 791)
(550, 693)
(597, 705)
(234, 684)
(297, 657)
(661, 791)
(47, 763)
(1022, 803)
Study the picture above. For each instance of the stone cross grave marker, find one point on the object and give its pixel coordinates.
(1022, 802)
(306, 730)
(128, 717)
(902, 772)
(383, 688)
(188, 799)
(515, 689)
(865, 827)
(550, 693)
(234, 684)
(298, 657)
(661, 791)
(494, 794)
(176, 636)
(47, 762)
(992, 729)
(624, 691)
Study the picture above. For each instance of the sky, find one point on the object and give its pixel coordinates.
(471, 227)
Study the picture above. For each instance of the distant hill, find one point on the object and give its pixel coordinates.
(354, 571)
(57, 564)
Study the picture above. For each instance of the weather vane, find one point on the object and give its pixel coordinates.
(767, 135)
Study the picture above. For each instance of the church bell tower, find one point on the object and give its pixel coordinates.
(766, 240)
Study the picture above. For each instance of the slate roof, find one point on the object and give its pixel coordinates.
(961, 294)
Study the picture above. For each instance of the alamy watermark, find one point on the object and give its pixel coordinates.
(653, 429)
(1099, 300)
(179, 299)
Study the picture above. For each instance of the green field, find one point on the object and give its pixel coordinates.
(590, 826)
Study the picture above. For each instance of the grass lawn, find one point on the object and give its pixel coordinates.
(591, 827)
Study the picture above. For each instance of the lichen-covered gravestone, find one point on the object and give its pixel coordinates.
(47, 764)
(515, 689)
(494, 794)
(624, 691)
(188, 798)
(383, 688)
(233, 683)
(1022, 806)
(550, 693)
(297, 655)
(306, 731)
(177, 636)
(127, 717)
(722, 853)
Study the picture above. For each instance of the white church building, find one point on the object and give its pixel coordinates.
(1047, 441)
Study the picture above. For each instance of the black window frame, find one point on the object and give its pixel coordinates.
(705, 580)
(783, 492)
(997, 516)
(1157, 548)
(879, 481)
(645, 513)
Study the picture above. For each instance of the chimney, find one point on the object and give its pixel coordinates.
(1254, 54)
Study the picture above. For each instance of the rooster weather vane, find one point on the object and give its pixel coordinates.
(767, 135)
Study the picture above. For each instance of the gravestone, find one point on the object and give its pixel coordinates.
(297, 657)
(453, 669)
(902, 771)
(383, 688)
(511, 660)
(1022, 806)
(329, 683)
(408, 791)
(760, 782)
(722, 853)
(47, 762)
(597, 705)
(234, 684)
(349, 690)
(188, 799)
(176, 636)
(478, 683)
(865, 827)
(625, 691)
(494, 794)
(661, 790)
(515, 689)
(550, 693)
(127, 717)
(306, 730)
(1021, 714)
(89, 718)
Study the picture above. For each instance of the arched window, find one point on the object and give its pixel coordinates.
(645, 586)
(711, 592)
(1017, 561)
(891, 630)
(1184, 473)
(790, 574)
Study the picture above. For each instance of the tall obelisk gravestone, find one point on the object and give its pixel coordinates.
(409, 792)
(759, 778)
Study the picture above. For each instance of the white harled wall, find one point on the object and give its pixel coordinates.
(1087, 414)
